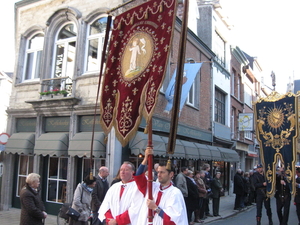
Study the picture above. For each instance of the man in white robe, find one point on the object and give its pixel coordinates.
(122, 202)
(168, 204)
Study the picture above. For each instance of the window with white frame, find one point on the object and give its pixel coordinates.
(232, 83)
(25, 167)
(220, 98)
(96, 35)
(191, 96)
(65, 47)
(34, 49)
(232, 124)
(248, 95)
(238, 87)
(220, 49)
(57, 179)
(248, 135)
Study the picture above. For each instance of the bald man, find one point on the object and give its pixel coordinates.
(99, 193)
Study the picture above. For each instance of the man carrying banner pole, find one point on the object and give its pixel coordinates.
(168, 203)
(276, 118)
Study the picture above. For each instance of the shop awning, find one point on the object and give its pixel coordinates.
(21, 143)
(139, 143)
(229, 155)
(252, 154)
(215, 153)
(191, 151)
(80, 145)
(52, 144)
(179, 151)
(204, 152)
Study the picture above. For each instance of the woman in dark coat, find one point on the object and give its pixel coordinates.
(192, 201)
(216, 188)
(32, 207)
(82, 201)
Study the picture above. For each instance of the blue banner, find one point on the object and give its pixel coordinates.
(277, 131)
(190, 72)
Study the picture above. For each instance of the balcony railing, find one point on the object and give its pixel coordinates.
(56, 87)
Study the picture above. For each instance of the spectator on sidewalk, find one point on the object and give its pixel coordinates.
(260, 187)
(216, 188)
(180, 181)
(32, 207)
(82, 200)
(238, 189)
(156, 165)
(99, 193)
(247, 189)
(192, 201)
(252, 195)
(207, 181)
(199, 176)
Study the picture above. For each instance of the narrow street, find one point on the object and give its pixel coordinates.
(248, 216)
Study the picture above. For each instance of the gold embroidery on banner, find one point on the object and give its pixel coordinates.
(154, 68)
(159, 18)
(151, 96)
(135, 90)
(169, 30)
(106, 88)
(156, 9)
(288, 173)
(269, 174)
(275, 120)
(125, 117)
(107, 114)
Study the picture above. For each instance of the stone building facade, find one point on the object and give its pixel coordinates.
(52, 106)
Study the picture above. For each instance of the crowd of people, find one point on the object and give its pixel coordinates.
(181, 200)
(250, 188)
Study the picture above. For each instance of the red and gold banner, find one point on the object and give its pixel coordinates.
(135, 66)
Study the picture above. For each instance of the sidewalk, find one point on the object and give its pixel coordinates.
(226, 209)
(12, 216)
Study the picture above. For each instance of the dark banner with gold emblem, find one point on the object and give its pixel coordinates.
(276, 129)
(135, 66)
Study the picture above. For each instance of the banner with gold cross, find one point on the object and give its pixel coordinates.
(276, 119)
(135, 67)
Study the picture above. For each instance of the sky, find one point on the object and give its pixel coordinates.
(266, 29)
(7, 52)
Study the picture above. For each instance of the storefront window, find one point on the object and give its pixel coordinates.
(25, 168)
(57, 179)
(97, 163)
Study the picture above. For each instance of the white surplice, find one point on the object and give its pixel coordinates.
(172, 203)
(131, 200)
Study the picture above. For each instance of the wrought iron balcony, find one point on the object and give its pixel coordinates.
(58, 87)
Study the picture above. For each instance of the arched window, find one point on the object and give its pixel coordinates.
(65, 51)
(96, 35)
(34, 49)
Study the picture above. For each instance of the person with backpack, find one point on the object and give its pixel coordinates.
(82, 201)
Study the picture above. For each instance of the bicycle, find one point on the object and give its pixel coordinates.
(62, 217)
